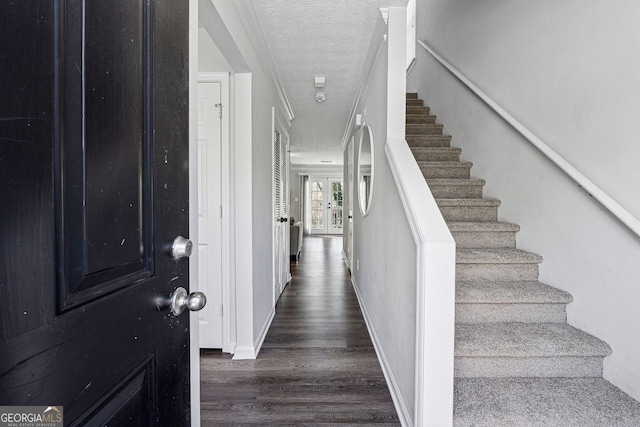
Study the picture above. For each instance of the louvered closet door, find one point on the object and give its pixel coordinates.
(277, 240)
(280, 214)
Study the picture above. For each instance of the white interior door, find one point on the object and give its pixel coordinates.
(281, 215)
(210, 212)
(326, 204)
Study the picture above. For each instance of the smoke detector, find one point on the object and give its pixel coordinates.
(318, 81)
(320, 97)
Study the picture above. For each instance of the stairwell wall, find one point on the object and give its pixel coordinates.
(568, 72)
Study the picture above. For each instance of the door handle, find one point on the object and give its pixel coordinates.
(181, 300)
(181, 248)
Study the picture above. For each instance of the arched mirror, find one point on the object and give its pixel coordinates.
(365, 169)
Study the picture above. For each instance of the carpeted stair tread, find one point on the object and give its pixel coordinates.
(414, 102)
(468, 202)
(413, 119)
(445, 169)
(444, 164)
(419, 150)
(482, 226)
(412, 95)
(542, 402)
(526, 340)
(424, 129)
(427, 141)
(483, 234)
(455, 181)
(417, 109)
(518, 292)
(496, 256)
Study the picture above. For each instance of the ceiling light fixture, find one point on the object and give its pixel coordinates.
(320, 97)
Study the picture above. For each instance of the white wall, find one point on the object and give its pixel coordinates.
(386, 251)
(568, 71)
(252, 187)
(210, 57)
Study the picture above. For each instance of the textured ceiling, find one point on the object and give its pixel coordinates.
(328, 38)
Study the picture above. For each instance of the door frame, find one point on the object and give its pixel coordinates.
(225, 161)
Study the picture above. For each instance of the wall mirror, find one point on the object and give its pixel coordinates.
(365, 169)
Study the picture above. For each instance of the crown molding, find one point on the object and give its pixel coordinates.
(254, 29)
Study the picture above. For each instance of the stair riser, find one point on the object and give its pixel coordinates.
(414, 102)
(456, 191)
(436, 156)
(492, 313)
(417, 109)
(539, 367)
(419, 141)
(421, 120)
(484, 239)
(496, 272)
(470, 213)
(428, 129)
(446, 172)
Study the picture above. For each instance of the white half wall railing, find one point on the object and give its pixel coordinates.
(435, 289)
(589, 186)
(435, 248)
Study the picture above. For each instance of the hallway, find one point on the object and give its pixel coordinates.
(317, 364)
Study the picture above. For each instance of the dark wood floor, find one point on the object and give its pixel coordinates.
(317, 364)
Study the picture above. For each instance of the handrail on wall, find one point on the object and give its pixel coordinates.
(596, 192)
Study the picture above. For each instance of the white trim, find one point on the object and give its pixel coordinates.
(228, 257)
(251, 352)
(589, 186)
(392, 384)
(194, 321)
(377, 40)
(254, 28)
(274, 225)
(242, 230)
(257, 344)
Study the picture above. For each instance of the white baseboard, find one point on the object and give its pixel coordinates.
(263, 332)
(394, 389)
(244, 352)
(251, 352)
(346, 260)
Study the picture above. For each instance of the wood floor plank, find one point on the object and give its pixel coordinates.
(317, 365)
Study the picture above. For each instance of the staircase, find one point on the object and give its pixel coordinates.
(517, 361)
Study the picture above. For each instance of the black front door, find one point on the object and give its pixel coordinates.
(93, 191)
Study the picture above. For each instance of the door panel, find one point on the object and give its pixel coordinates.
(106, 222)
(336, 189)
(318, 208)
(93, 155)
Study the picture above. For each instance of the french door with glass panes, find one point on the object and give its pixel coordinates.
(326, 196)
